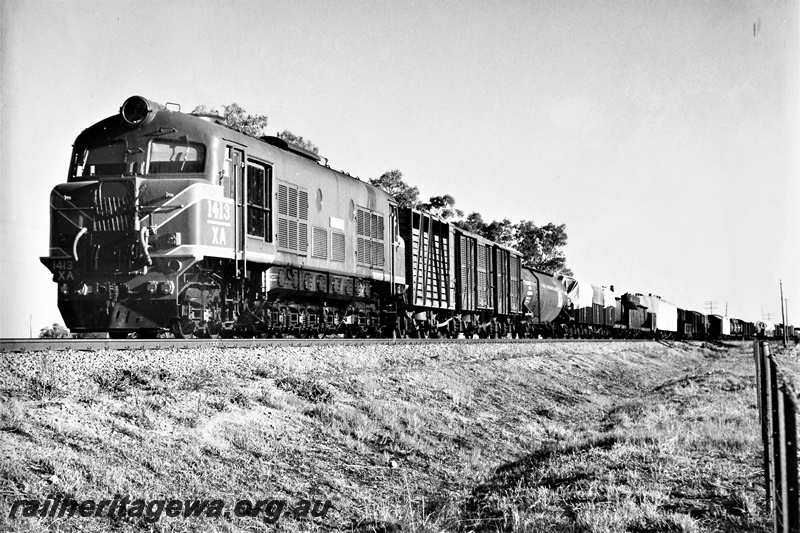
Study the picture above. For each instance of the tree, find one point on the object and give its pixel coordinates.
(238, 119)
(392, 182)
(441, 206)
(473, 223)
(290, 137)
(541, 246)
(501, 231)
(56, 331)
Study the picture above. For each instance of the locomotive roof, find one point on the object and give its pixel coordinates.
(116, 126)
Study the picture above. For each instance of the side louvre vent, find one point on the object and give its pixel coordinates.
(370, 229)
(292, 218)
(303, 195)
(319, 243)
(302, 238)
(302, 227)
(283, 233)
(283, 200)
(337, 247)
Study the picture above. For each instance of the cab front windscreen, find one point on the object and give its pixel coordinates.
(164, 157)
(175, 157)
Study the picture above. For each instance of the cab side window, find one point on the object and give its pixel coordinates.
(259, 194)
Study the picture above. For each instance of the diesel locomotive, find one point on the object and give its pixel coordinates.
(174, 222)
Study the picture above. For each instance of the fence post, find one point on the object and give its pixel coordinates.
(765, 413)
(777, 408)
(776, 443)
(780, 487)
(792, 495)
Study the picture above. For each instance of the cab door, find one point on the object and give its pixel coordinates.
(234, 189)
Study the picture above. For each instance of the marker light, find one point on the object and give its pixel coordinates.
(166, 287)
(152, 287)
(64, 288)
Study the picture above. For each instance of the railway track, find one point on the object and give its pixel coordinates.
(39, 345)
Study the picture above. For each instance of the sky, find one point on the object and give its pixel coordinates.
(664, 134)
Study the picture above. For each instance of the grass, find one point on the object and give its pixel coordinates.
(580, 438)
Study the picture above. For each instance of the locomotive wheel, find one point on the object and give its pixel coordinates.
(117, 334)
(182, 328)
(147, 334)
(213, 330)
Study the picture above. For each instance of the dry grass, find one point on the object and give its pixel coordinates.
(586, 437)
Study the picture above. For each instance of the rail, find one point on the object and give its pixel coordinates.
(40, 345)
(777, 407)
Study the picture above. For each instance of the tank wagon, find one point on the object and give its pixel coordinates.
(173, 222)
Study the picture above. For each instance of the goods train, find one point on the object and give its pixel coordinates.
(174, 222)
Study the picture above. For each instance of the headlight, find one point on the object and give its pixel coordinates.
(135, 110)
(166, 287)
(64, 289)
(152, 287)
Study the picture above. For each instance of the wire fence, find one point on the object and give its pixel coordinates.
(777, 407)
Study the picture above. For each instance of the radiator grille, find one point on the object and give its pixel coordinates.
(114, 207)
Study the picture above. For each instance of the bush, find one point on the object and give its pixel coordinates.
(56, 331)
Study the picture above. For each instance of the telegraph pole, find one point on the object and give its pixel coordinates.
(783, 316)
(710, 306)
(786, 301)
